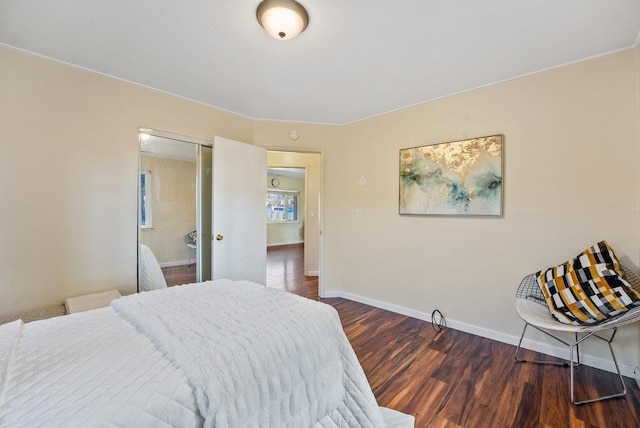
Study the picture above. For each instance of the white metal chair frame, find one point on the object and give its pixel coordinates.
(192, 244)
(532, 308)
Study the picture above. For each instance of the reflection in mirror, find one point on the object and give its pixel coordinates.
(174, 215)
(204, 206)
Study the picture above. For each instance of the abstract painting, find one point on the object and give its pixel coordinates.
(456, 178)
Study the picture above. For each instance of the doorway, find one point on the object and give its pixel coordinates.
(294, 182)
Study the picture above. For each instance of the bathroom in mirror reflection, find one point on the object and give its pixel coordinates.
(175, 211)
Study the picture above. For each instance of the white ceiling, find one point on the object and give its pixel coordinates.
(297, 173)
(357, 58)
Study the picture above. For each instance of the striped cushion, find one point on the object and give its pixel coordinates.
(588, 289)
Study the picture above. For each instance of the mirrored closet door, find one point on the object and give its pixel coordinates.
(174, 210)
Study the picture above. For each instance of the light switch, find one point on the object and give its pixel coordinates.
(359, 213)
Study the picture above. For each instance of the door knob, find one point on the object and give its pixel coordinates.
(219, 237)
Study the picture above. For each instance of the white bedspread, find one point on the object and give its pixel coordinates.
(90, 369)
(216, 354)
(257, 357)
(151, 276)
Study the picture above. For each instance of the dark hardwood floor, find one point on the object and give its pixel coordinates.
(456, 379)
(177, 275)
(285, 271)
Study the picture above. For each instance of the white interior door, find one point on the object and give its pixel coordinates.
(239, 222)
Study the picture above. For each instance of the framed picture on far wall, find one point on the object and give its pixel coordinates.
(456, 178)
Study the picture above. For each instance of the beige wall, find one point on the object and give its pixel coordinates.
(571, 178)
(173, 187)
(287, 233)
(68, 176)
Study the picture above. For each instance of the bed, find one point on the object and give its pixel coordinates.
(216, 354)
(151, 276)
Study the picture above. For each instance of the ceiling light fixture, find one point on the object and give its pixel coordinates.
(282, 19)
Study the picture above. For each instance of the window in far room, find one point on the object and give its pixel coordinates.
(146, 200)
(282, 206)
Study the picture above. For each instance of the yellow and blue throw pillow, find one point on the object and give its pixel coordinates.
(589, 288)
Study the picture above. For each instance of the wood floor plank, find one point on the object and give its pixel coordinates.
(529, 415)
(178, 275)
(455, 379)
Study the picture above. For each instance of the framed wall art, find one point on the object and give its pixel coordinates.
(456, 178)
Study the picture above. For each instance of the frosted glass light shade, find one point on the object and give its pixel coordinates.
(282, 19)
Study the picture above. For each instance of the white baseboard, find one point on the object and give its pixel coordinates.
(177, 263)
(277, 244)
(330, 294)
(312, 273)
(545, 348)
